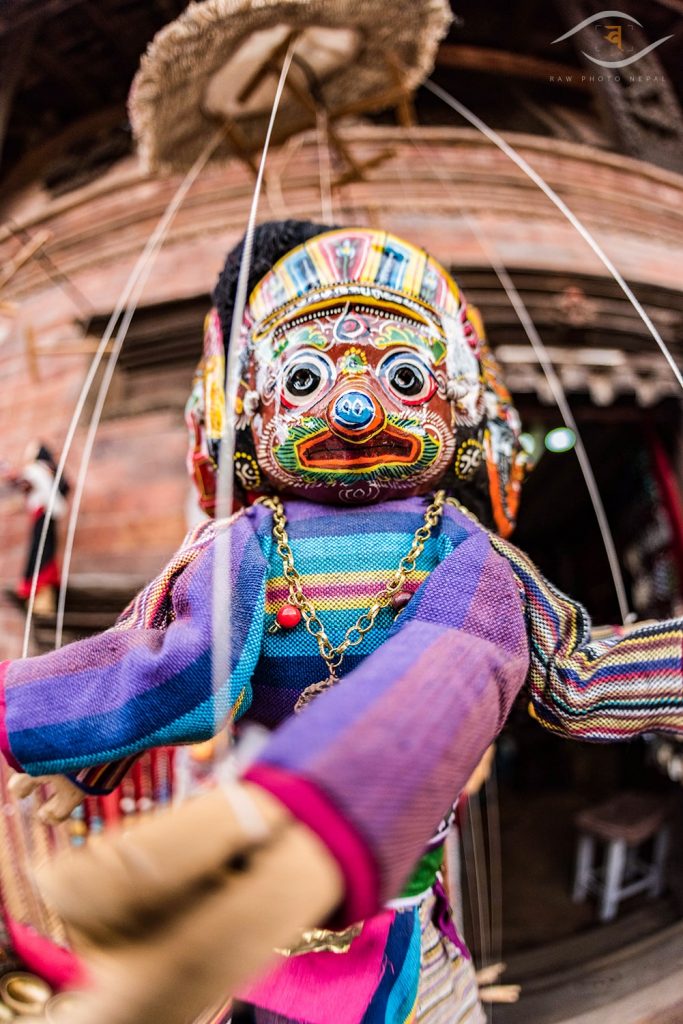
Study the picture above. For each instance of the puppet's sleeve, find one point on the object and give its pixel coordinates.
(373, 764)
(148, 680)
(597, 690)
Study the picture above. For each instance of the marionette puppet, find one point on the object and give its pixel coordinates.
(35, 479)
(382, 627)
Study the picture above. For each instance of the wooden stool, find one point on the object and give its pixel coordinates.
(623, 823)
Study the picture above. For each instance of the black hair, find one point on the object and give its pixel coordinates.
(271, 241)
(45, 455)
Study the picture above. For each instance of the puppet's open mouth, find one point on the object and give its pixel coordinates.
(391, 446)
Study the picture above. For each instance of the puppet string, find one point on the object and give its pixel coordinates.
(495, 863)
(221, 604)
(144, 269)
(560, 397)
(481, 880)
(326, 203)
(526, 167)
(147, 254)
(469, 880)
(558, 392)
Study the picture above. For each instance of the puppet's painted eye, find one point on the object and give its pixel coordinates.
(305, 379)
(408, 377)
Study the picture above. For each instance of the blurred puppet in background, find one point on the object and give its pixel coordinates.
(381, 628)
(36, 480)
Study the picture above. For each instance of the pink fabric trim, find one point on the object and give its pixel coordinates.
(322, 987)
(58, 966)
(312, 807)
(5, 748)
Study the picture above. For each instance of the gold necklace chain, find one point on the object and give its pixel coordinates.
(332, 654)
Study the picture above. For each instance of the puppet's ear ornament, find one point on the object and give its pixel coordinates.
(247, 471)
(463, 388)
(205, 413)
(467, 397)
(251, 404)
(505, 460)
(458, 388)
(468, 458)
(506, 472)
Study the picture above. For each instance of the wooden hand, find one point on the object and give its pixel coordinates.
(61, 799)
(185, 907)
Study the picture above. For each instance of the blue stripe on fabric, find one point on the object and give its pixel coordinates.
(306, 667)
(404, 993)
(412, 643)
(650, 704)
(646, 667)
(195, 727)
(310, 522)
(179, 707)
(298, 642)
(398, 986)
(89, 740)
(371, 552)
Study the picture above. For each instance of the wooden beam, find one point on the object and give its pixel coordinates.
(405, 108)
(30, 349)
(514, 65)
(236, 136)
(27, 251)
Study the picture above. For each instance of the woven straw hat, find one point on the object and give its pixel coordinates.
(348, 53)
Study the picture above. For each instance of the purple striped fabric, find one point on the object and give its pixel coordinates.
(116, 694)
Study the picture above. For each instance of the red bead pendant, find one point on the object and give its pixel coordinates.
(288, 616)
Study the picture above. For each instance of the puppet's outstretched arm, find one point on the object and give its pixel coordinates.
(613, 689)
(147, 681)
(599, 690)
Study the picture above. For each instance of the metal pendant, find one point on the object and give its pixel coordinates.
(322, 940)
(312, 691)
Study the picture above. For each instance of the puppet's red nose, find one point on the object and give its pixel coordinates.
(355, 415)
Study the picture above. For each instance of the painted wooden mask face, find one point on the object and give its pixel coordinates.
(353, 404)
(364, 376)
